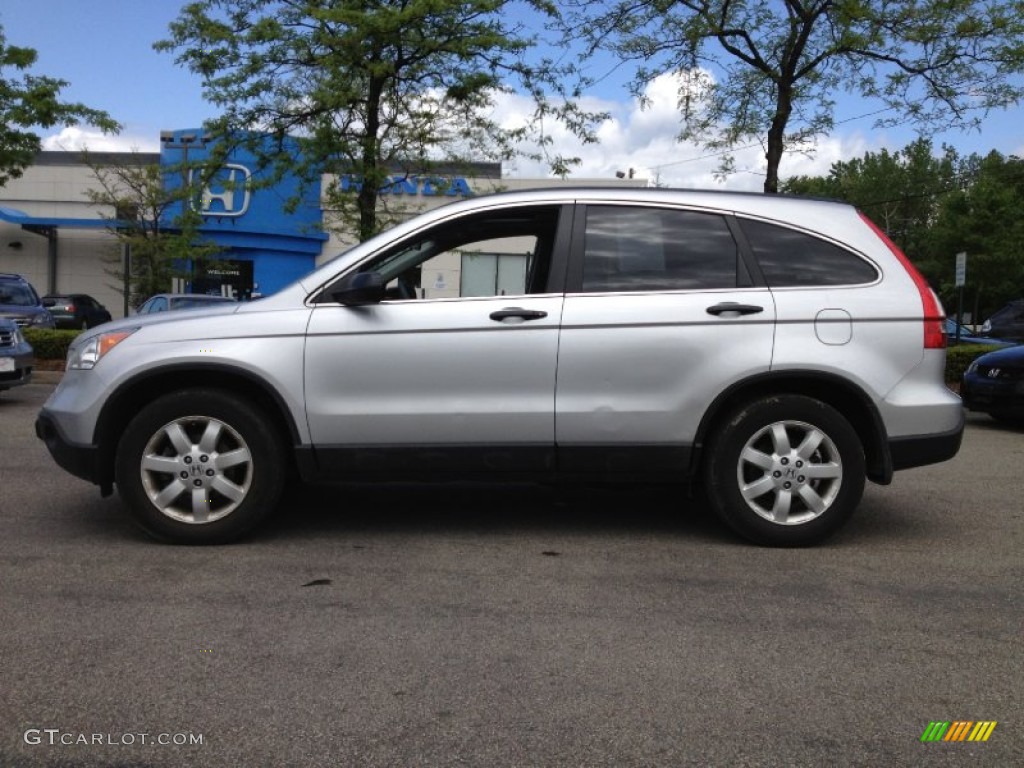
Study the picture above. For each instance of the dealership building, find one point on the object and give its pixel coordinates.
(51, 232)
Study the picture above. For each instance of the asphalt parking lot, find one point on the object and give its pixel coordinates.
(511, 626)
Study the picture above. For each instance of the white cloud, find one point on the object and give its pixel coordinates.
(644, 139)
(75, 139)
(633, 137)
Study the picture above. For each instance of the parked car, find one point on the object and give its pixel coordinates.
(20, 303)
(16, 357)
(1007, 323)
(777, 350)
(75, 310)
(165, 302)
(994, 384)
(967, 336)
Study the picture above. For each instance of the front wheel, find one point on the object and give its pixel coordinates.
(199, 466)
(787, 470)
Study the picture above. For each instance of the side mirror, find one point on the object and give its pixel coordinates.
(361, 289)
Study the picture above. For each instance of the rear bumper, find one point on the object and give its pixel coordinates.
(920, 450)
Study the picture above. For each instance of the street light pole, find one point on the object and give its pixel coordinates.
(183, 141)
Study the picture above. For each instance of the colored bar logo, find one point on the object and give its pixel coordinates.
(958, 730)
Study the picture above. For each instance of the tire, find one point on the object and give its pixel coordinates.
(757, 478)
(200, 466)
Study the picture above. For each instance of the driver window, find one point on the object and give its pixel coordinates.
(503, 253)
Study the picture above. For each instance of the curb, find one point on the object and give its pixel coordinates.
(46, 377)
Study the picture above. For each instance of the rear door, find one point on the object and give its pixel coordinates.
(661, 316)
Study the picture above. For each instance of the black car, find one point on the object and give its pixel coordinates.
(994, 384)
(1007, 323)
(75, 310)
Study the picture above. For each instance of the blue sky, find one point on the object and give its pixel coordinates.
(103, 48)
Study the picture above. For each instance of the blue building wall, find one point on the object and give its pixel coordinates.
(250, 222)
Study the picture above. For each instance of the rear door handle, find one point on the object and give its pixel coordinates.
(519, 312)
(727, 307)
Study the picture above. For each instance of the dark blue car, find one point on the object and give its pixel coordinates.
(994, 384)
(16, 358)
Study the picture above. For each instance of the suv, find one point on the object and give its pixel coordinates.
(1007, 323)
(20, 302)
(16, 357)
(778, 350)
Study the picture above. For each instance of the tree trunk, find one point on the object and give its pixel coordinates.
(777, 137)
(370, 189)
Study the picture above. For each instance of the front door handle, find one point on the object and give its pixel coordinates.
(727, 307)
(519, 312)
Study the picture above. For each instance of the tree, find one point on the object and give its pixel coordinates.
(937, 206)
(142, 212)
(30, 101)
(983, 219)
(899, 190)
(776, 65)
(367, 88)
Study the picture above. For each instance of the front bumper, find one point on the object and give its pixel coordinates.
(22, 373)
(80, 460)
(993, 396)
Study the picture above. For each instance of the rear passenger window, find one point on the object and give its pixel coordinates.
(791, 258)
(656, 249)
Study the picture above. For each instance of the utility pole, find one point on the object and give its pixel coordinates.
(183, 141)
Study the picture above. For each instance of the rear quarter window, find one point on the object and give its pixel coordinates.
(791, 258)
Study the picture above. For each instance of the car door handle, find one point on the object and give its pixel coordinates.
(522, 314)
(732, 306)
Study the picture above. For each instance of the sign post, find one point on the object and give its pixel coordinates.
(961, 278)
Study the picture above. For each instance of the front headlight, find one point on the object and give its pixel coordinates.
(972, 367)
(43, 320)
(19, 337)
(84, 356)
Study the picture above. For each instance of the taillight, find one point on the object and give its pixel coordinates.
(934, 317)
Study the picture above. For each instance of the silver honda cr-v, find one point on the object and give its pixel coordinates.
(777, 350)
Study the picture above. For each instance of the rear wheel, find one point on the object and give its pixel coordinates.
(787, 470)
(200, 466)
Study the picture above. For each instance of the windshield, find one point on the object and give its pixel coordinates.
(18, 295)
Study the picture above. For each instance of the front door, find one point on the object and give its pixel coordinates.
(432, 379)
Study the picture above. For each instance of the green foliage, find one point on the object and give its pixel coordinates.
(29, 101)
(984, 218)
(139, 204)
(769, 69)
(366, 88)
(934, 207)
(49, 344)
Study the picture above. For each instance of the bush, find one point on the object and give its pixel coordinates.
(49, 345)
(961, 356)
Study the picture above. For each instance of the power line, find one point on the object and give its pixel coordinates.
(758, 143)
